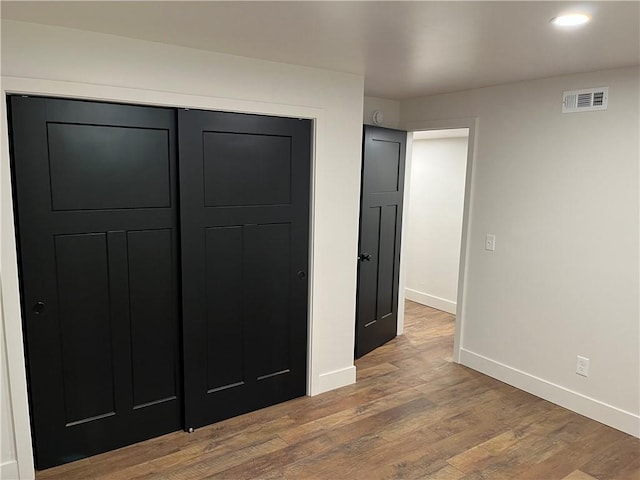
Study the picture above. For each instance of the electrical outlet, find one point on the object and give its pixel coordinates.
(490, 242)
(582, 366)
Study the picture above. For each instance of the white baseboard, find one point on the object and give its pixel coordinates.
(332, 380)
(589, 407)
(430, 300)
(9, 471)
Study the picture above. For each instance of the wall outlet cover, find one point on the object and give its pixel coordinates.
(582, 366)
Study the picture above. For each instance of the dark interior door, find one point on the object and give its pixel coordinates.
(244, 183)
(383, 160)
(96, 196)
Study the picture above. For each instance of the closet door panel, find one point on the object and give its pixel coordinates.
(245, 183)
(96, 209)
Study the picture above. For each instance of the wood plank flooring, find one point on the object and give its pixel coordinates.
(413, 414)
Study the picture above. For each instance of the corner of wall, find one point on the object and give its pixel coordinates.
(589, 407)
(507, 332)
(390, 111)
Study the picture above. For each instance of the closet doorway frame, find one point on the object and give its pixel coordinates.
(12, 336)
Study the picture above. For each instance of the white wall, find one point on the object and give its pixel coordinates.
(561, 193)
(390, 110)
(8, 463)
(45, 60)
(434, 221)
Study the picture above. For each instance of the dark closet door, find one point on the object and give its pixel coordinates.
(244, 182)
(383, 160)
(95, 191)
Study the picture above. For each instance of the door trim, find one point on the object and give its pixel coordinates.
(12, 336)
(466, 122)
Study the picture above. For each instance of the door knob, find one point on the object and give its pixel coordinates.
(364, 257)
(38, 307)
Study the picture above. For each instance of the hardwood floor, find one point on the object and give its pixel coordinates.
(413, 414)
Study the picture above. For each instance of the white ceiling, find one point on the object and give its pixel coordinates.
(404, 49)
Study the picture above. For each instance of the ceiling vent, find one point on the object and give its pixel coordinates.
(586, 100)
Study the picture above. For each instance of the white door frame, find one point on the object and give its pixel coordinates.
(471, 123)
(12, 334)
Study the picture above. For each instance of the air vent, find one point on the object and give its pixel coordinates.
(586, 100)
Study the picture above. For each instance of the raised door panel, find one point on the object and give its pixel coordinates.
(154, 329)
(383, 166)
(387, 255)
(268, 290)
(127, 158)
(224, 308)
(246, 169)
(368, 278)
(85, 327)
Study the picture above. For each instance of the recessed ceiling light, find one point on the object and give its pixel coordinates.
(571, 20)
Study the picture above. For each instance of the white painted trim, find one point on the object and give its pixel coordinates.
(403, 233)
(12, 312)
(430, 300)
(589, 407)
(9, 287)
(472, 124)
(136, 96)
(312, 208)
(9, 471)
(336, 379)
(441, 134)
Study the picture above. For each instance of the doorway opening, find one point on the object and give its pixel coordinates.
(435, 223)
(434, 217)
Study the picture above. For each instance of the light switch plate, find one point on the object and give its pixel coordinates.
(490, 242)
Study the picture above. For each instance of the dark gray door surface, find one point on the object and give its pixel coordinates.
(244, 202)
(96, 201)
(380, 228)
(109, 350)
